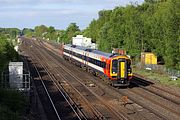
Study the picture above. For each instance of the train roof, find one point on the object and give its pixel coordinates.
(76, 46)
(102, 53)
(91, 50)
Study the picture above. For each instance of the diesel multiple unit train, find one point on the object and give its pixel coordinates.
(114, 68)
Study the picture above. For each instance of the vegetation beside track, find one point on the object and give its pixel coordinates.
(158, 77)
(7, 52)
(12, 103)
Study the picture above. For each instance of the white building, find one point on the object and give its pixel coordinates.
(83, 41)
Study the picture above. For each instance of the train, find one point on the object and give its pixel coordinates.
(113, 68)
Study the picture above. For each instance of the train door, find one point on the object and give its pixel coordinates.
(122, 71)
(86, 58)
(83, 58)
(70, 55)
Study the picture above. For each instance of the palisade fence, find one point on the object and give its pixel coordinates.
(159, 69)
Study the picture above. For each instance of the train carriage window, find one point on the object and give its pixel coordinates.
(86, 58)
(80, 56)
(68, 51)
(97, 62)
(114, 66)
(92, 61)
(103, 64)
(65, 50)
(89, 59)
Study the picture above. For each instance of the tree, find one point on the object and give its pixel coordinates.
(51, 33)
(7, 52)
(10, 32)
(71, 31)
(39, 30)
(27, 32)
(150, 27)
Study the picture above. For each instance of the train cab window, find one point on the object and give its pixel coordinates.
(114, 66)
(129, 66)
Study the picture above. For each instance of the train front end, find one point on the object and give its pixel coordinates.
(120, 70)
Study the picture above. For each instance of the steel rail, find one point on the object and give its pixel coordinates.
(108, 106)
(97, 113)
(53, 79)
(47, 93)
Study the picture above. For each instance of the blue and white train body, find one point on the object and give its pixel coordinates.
(112, 67)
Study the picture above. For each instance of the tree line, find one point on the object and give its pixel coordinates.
(10, 32)
(150, 27)
(50, 33)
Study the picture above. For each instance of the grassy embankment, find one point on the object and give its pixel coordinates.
(158, 77)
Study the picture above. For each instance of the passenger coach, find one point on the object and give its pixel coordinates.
(114, 68)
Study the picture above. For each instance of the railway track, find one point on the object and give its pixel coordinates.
(166, 101)
(153, 88)
(56, 102)
(102, 109)
(137, 96)
(51, 111)
(140, 116)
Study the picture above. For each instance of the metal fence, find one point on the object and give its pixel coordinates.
(160, 69)
(23, 85)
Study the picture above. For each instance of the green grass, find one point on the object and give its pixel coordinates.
(162, 78)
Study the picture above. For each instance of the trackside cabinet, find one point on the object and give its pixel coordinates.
(16, 74)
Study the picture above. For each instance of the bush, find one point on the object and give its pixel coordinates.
(12, 104)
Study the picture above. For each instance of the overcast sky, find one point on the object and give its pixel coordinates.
(57, 13)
